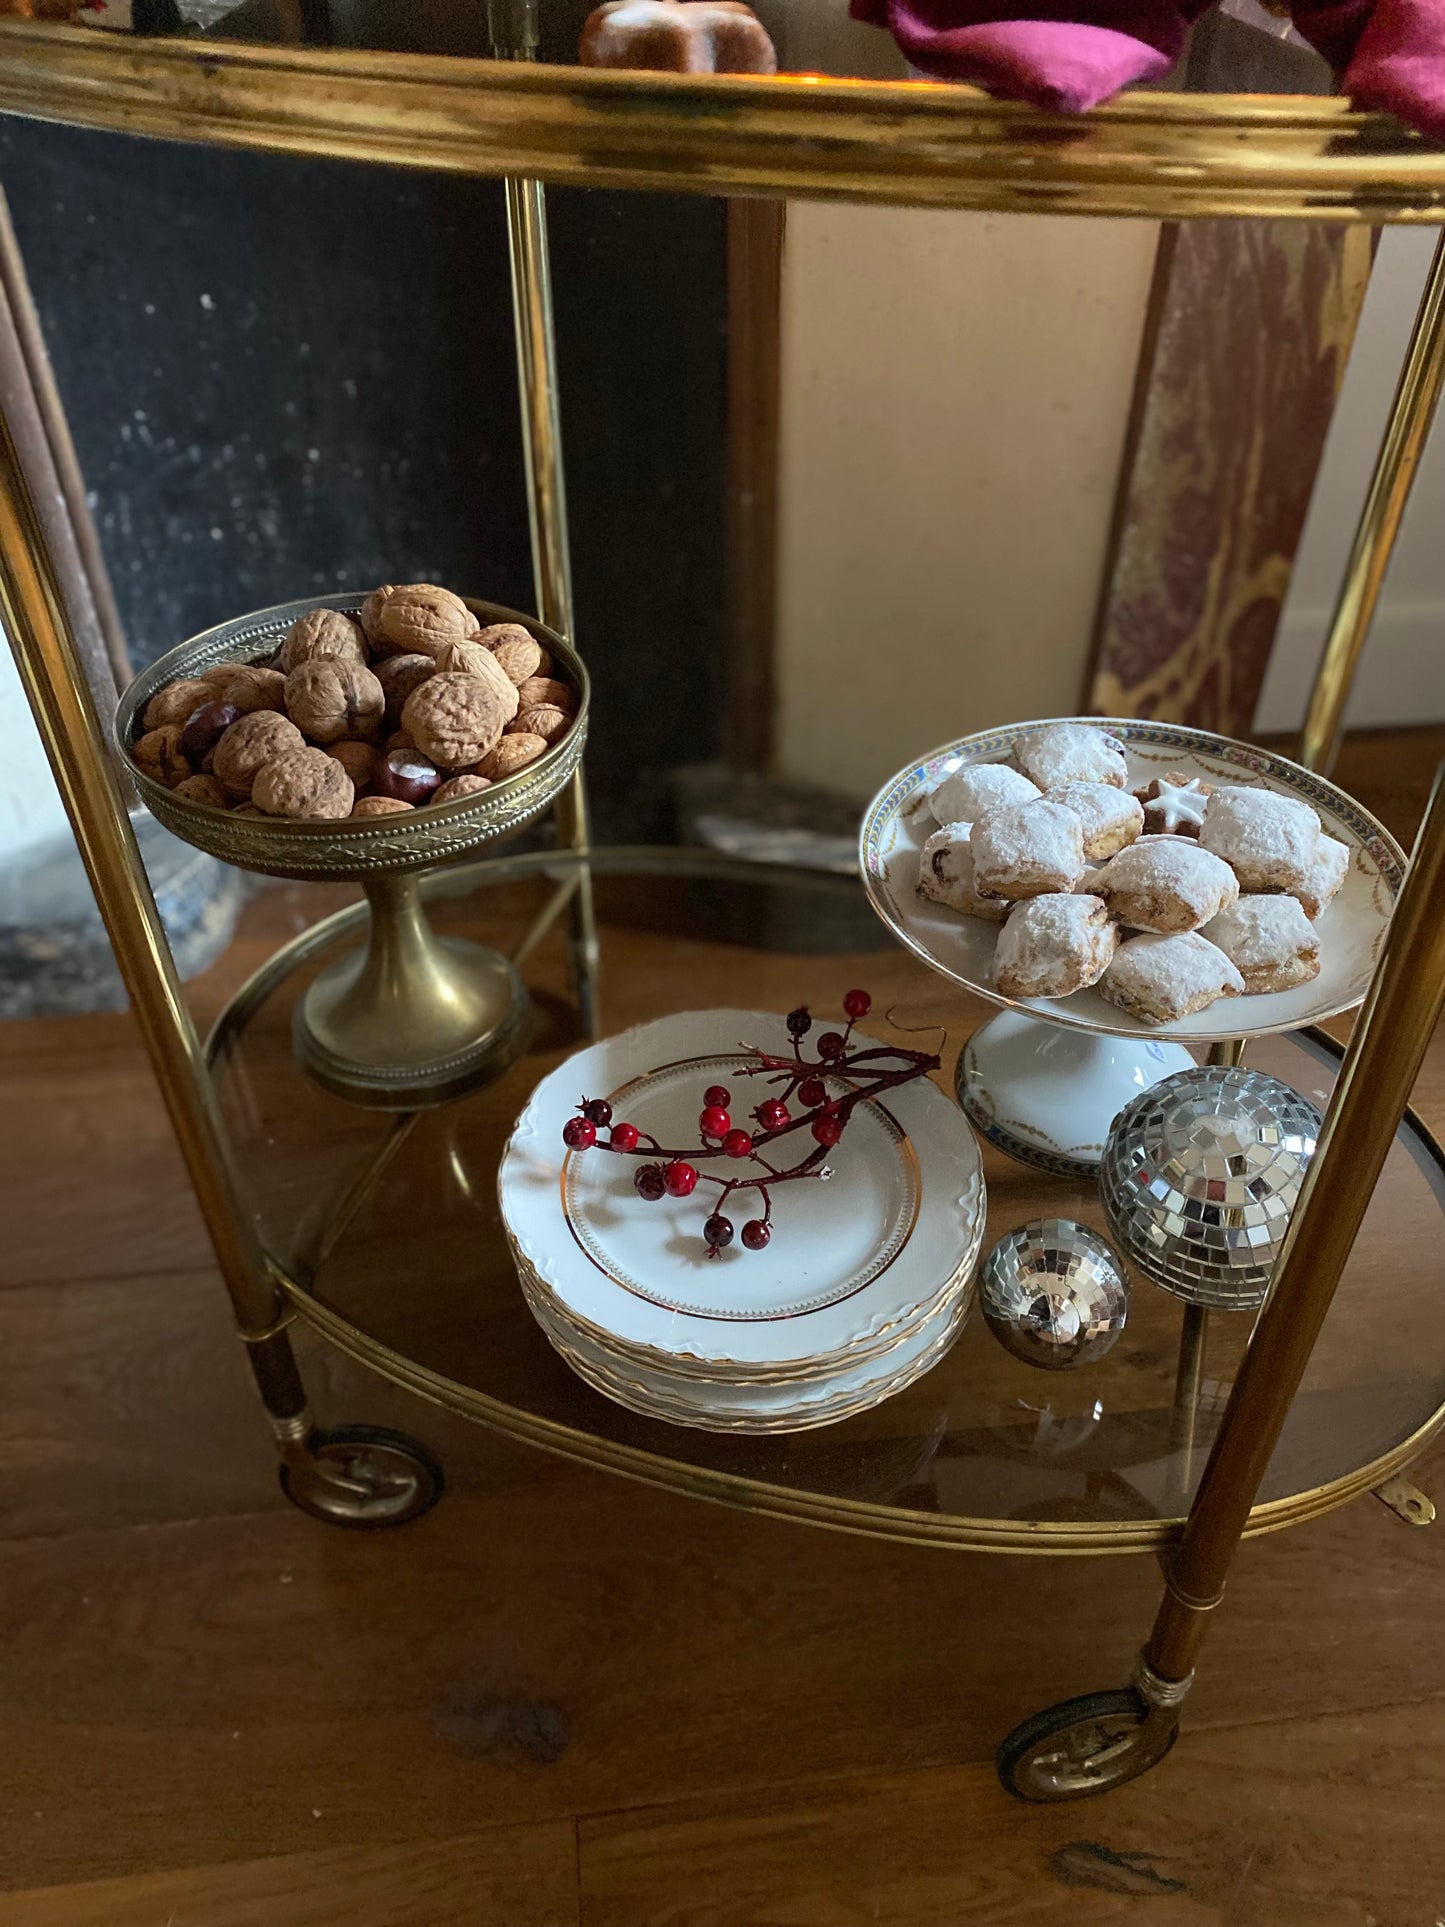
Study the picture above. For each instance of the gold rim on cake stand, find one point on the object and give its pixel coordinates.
(410, 1019)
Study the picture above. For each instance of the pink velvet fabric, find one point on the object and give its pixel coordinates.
(1390, 52)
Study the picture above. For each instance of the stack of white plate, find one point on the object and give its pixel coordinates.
(865, 1283)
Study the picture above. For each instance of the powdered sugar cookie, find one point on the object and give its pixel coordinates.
(1269, 841)
(1161, 979)
(1110, 818)
(1071, 753)
(1166, 884)
(964, 796)
(1269, 940)
(945, 875)
(1174, 804)
(1328, 871)
(1028, 849)
(1054, 945)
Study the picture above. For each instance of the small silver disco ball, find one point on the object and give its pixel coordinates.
(1054, 1294)
(1199, 1177)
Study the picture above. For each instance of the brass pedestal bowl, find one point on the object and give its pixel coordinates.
(411, 1019)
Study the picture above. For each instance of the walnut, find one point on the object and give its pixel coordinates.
(329, 700)
(249, 744)
(544, 720)
(517, 651)
(176, 701)
(454, 719)
(324, 635)
(398, 676)
(202, 789)
(250, 689)
(421, 619)
(359, 760)
(304, 783)
(158, 756)
(216, 678)
(514, 752)
(471, 659)
(369, 613)
(457, 787)
(382, 806)
(546, 689)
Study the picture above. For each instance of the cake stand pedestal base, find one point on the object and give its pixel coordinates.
(1048, 1095)
(414, 1019)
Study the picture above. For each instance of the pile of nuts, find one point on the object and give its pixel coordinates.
(411, 702)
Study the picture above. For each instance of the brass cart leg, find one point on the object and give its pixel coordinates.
(514, 36)
(1089, 1745)
(355, 1476)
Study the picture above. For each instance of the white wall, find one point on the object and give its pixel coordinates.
(955, 394)
(31, 812)
(1402, 676)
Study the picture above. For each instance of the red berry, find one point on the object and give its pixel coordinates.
(718, 1095)
(857, 1004)
(647, 1180)
(738, 1144)
(599, 1110)
(679, 1179)
(624, 1137)
(718, 1231)
(827, 1129)
(773, 1114)
(756, 1233)
(812, 1092)
(714, 1122)
(578, 1133)
(831, 1044)
(799, 1021)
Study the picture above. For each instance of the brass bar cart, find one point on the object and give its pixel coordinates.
(905, 144)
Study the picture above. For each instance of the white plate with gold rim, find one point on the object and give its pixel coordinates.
(899, 821)
(835, 1395)
(853, 1262)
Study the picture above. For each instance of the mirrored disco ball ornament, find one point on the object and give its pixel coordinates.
(1054, 1294)
(1199, 1177)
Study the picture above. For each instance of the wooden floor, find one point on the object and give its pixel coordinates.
(562, 1698)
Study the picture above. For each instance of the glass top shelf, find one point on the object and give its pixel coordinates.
(389, 1237)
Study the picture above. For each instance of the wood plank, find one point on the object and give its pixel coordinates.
(1330, 1822)
(511, 1877)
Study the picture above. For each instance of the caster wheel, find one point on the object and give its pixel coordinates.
(1083, 1746)
(363, 1476)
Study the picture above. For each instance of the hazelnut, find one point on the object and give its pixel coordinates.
(359, 760)
(304, 783)
(250, 689)
(421, 618)
(406, 775)
(205, 728)
(249, 744)
(369, 613)
(398, 676)
(202, 789)
(454, 719)
(158, 756)
(176, 702)
(514, 752)
(382, 806)
(322, 635)
(545, 720)
(456, 787)
(398, 739)
(516, 650)
(331, 699)
(471, 659)
(546, 689)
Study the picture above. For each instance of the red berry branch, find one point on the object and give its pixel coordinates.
(673, 1172)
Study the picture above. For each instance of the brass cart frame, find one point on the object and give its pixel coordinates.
(903, 143)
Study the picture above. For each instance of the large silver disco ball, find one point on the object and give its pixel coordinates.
(1199, 1177)
(1054, 1294)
